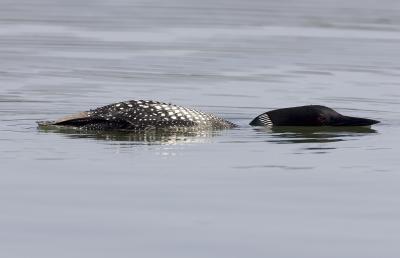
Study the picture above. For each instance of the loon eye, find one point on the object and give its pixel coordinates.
(322, 119)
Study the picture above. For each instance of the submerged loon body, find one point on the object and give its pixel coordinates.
(139, 115)
(312, 115)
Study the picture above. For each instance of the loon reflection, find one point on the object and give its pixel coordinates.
(158, 137)
(307, 134)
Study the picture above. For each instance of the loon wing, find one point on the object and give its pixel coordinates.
(78, 120)
(81, 116)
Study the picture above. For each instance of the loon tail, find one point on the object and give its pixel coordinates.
(73, 120)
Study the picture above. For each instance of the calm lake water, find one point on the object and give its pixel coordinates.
(244, 192)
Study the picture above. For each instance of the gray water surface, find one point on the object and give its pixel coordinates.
(246, 192)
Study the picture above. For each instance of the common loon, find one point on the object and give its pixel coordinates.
(139, 115)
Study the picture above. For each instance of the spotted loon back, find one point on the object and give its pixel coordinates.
(136, 115)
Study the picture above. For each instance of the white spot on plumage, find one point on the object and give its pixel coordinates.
(173, 117)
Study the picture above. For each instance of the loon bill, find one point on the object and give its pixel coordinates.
(139, 115)
(312, 115)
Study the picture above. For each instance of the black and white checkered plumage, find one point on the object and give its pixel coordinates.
(137, 115)
(265, 120)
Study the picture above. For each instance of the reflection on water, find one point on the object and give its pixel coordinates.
(280, 135)
(162, 137)
(290, 134)
(275, 166)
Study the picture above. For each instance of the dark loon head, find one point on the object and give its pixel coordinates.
(312, 115)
